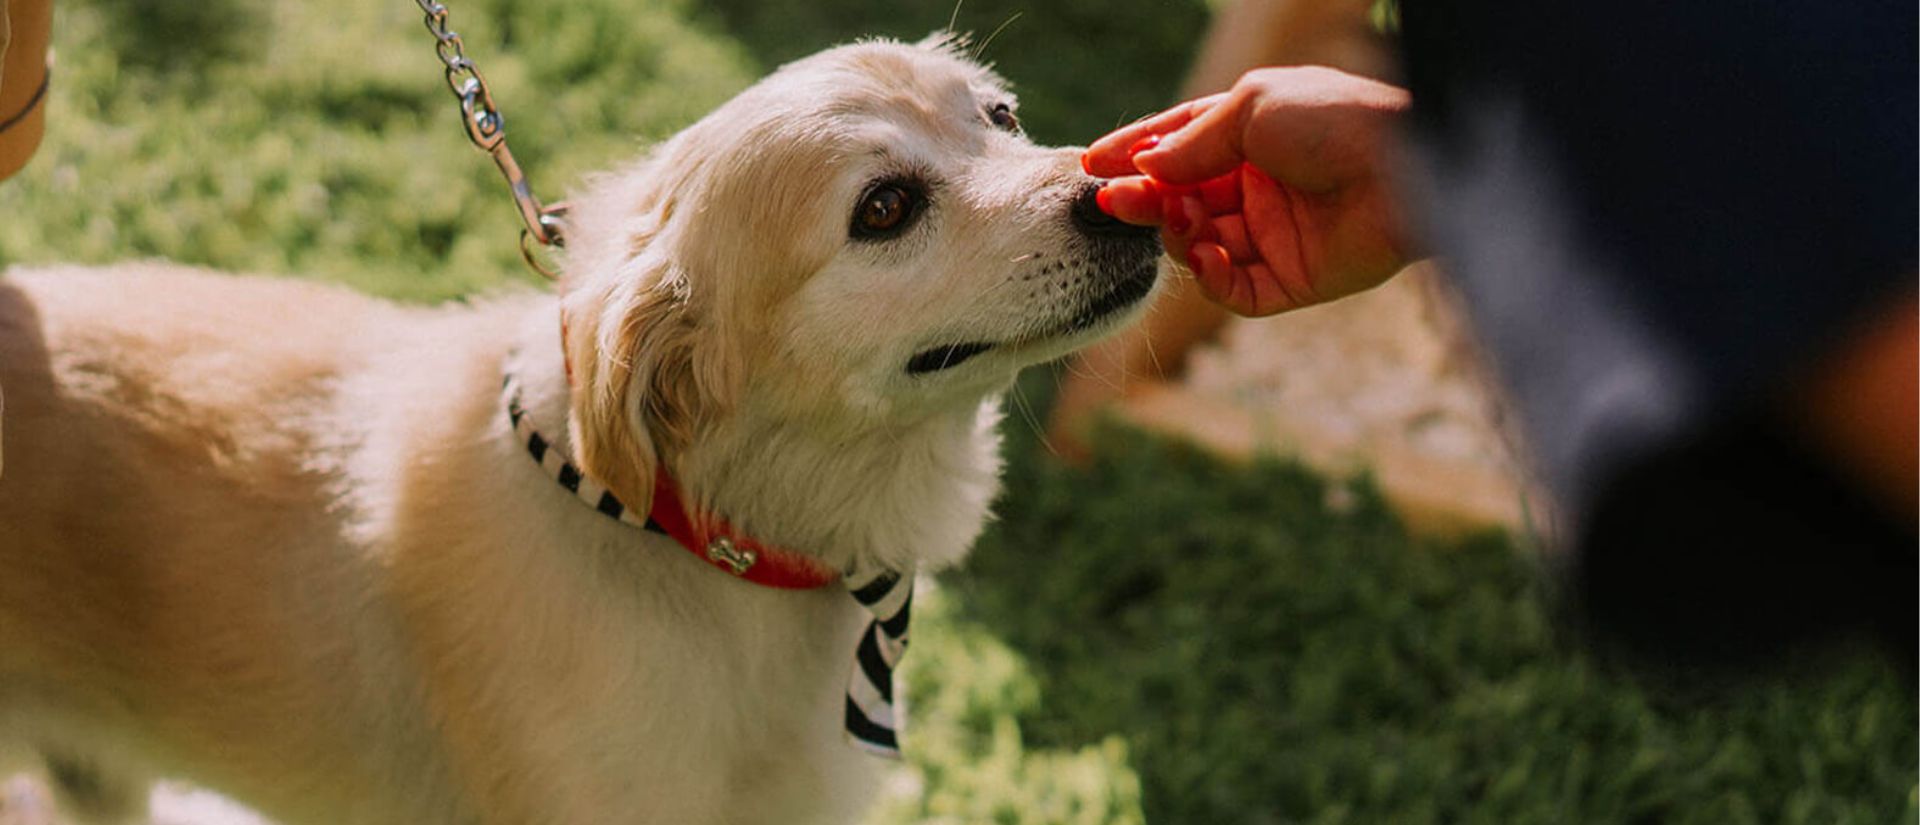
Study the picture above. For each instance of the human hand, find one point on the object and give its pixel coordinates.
(1273, 193)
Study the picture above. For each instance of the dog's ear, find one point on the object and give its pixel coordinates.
(631, 347)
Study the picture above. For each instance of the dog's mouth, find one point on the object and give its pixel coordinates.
(945, 357)
(1123, 294)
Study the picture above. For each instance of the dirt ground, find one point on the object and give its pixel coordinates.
(1387, 382)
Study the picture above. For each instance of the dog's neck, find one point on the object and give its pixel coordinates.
(915, 496)
(907, 496)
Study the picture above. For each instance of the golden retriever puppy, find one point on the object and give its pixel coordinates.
(288, 542)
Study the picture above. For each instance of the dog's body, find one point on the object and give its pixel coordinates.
(345, 573)
(279, 539)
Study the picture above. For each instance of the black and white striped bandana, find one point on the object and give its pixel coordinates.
(874, 717)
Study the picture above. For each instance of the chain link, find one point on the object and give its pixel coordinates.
(487, 129)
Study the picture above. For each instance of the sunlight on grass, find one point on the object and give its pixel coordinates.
(1163, 638)
(968, 762)
(325, 144)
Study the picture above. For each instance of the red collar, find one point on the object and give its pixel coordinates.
(717, 544)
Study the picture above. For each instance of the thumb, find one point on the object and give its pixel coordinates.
(1203, 149)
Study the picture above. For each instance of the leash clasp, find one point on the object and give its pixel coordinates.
(551, 224)
(487, 129)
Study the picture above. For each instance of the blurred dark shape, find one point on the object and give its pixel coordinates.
(1667, 219)
(169, 35)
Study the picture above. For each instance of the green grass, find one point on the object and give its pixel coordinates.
(1160, 638)
(1261, 655)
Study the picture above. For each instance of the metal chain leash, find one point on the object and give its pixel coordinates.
(544, 225)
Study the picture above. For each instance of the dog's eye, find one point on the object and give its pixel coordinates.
(886, 210)
(1002, 117)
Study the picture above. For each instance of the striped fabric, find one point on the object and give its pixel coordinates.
(561, 469)
(874, 717)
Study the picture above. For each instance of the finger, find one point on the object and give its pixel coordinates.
(1273, 216)
(1192, 225)
(1174, 208)
(1240, 297)
(1111, 155)
(1268, 295)
(1212, 271)
(1177, 247)
(1206, 147)
(1222, 194)
(1231, 230)
(1134, 200)
(1185, 216)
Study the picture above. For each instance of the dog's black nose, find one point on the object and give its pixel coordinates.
(1088, 218)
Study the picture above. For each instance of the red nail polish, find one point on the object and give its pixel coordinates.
(1086, 162)
(1103, 198)
(1193, 260)
(1175, 212)
(1143, 145)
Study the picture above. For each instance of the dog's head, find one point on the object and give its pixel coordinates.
(863, 239)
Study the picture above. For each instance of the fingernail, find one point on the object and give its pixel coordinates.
(1193, 260)
(1143, 145)
(1176, 214)
(1086, 162)
(1103, 198)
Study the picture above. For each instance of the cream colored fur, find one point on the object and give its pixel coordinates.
(277, 538)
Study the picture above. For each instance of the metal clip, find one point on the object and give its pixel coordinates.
(553, 220)
(487, 129)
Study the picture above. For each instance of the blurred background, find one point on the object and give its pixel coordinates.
(1291, 576)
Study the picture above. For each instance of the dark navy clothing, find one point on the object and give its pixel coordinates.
(1657, 212)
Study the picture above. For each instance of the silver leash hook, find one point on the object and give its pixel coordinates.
(553, 221)
(486, 128)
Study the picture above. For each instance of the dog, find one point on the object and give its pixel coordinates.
(288, 542)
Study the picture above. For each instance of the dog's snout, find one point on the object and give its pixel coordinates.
(1087, 217)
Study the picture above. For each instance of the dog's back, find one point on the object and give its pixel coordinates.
(279, 540)
(158, 421)
(164, 500)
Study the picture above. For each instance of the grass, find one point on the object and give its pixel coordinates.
(1160, 638)
(1267, 646)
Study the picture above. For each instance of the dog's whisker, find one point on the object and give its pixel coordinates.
(1077, 369)
(980, 52)
(1115, 380)
(1025, 407)
(1153, 357)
